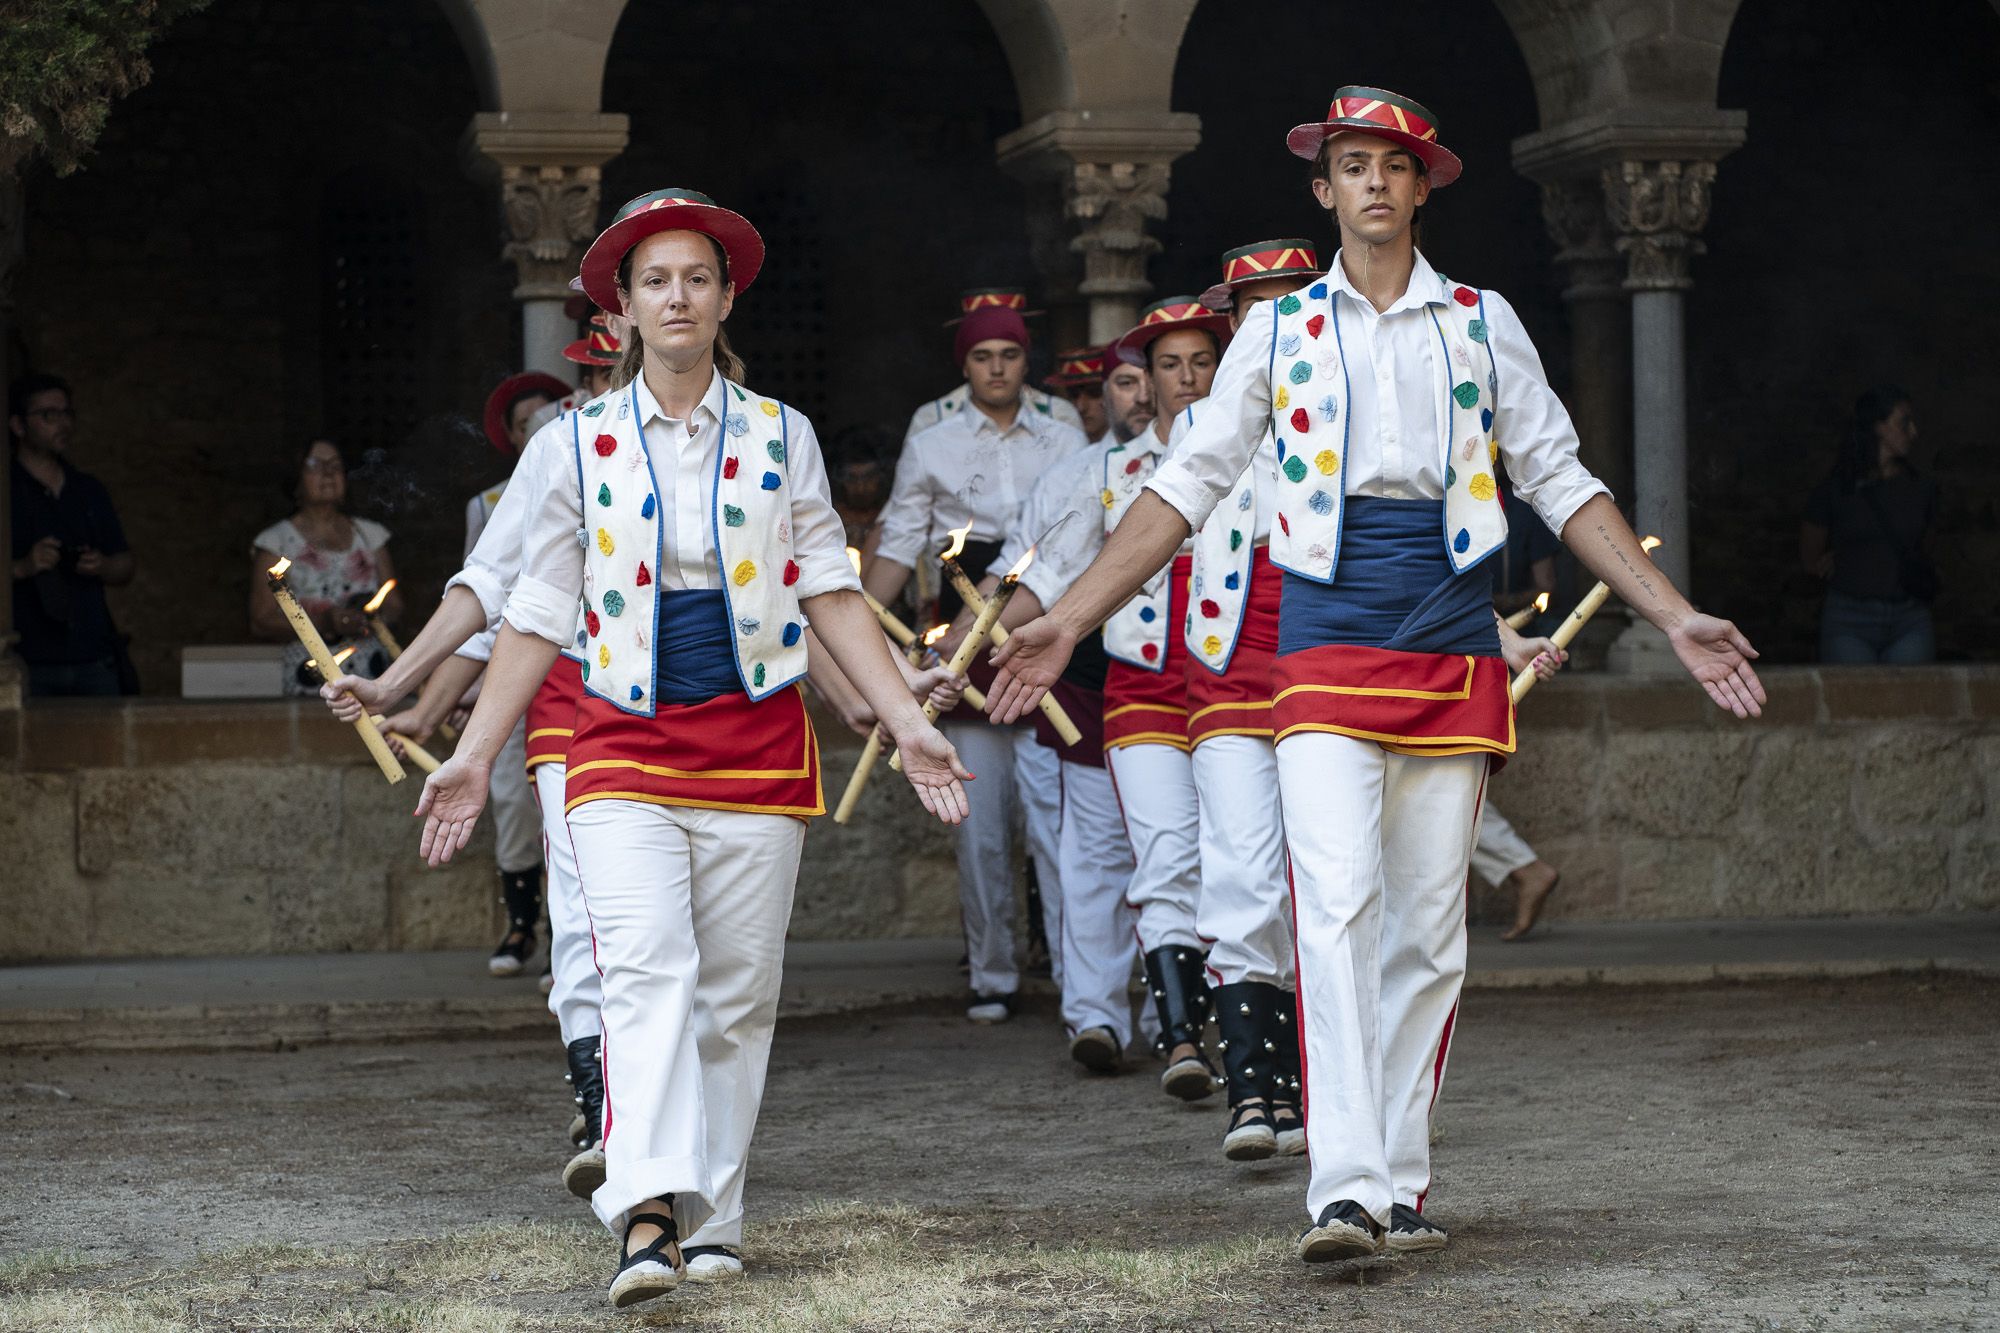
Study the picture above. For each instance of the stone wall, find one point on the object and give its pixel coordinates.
(164, 828)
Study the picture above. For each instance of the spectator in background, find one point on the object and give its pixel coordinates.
(1865, 533)
(861, 474)
(68, 547)
(337, 564)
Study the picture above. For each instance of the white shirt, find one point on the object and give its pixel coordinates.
(683, 455)
(966, 469)
(495, 524)
(1039, 401)
(1073, 485)
(1393, 449)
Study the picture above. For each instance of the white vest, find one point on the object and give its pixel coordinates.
(1309, 396)
(1142, 621)
(1223, 551)
(750, 518)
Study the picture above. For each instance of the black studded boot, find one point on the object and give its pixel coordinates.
(521, 891)
(1288, 1108)
(1253, 1067)
(1180, 993)
(585, 1171)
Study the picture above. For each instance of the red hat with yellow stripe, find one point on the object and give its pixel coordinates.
(1385, 115)
(1077, 367)
(669, 210)
(600, 347)
(1164, 317)
(1292, 258)
(976, 299)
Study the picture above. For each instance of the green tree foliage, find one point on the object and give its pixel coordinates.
(63, 63)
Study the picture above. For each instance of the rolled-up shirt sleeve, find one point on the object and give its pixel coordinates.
(544, 596)
(495, 559)
(906, 519)
(1536, 437)
(819, 539)
(1204, 466)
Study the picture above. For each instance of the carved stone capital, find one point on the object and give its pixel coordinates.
(1573, 212)
(551, 215)
(1112, 202)
(1659, 209)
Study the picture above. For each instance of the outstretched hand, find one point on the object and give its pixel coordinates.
(1715, 653)
(1030, 662)
(453, 797)
(931, 764)
(350, 696)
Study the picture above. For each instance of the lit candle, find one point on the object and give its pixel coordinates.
(904, 636)
(1058, 716)
(316, 648)
(981, 631)
(418, 755)
(872, 751)
(375, 625)
(1520, 619)
(1576, 620)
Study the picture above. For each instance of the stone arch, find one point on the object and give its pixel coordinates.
(536, 55)
(1098, 55)
(1592, 57)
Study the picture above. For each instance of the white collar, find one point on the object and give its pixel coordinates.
(1425, 286)
(649, 406)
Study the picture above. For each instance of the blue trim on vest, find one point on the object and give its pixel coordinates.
(1449, 434)
(1398, 590)
(1346, 442)
(570, 649)
(694, 652)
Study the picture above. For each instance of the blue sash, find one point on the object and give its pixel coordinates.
(696, 656)
(1393, 588)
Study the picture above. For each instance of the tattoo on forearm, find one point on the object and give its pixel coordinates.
(1638, 575)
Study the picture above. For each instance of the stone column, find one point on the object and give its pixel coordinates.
(1600, 343)
(1112, 170)
(549, 201)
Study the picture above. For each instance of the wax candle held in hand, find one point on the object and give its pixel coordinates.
(329, 668)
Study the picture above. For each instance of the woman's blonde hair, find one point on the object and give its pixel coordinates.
(633, 358)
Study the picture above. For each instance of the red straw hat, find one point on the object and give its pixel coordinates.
(1385, 115)
(1255, 263)
(1164, 317)
(599, 348)
(1078, 366)
(511, 391)
(669, 210)
(976, 299)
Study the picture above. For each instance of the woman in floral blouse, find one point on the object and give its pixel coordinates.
(337, 564)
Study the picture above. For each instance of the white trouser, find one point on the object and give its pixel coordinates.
(1163, 820)
(688, 910)
(986, 849)
(1380, 843)
(517, 813)
(1095, 923)
(1245, 905)
(577, 993)
(1500, 851)
(1038, 785)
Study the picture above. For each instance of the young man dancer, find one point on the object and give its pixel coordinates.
(1079, 378)
(974, 468)
(1391, 391)
(1038, 401)
(692, 763)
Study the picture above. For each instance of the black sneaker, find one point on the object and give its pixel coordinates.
(1344, 1231)
(1410, 1232)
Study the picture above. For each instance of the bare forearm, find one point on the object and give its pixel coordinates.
(520, 663)
(458, 617)
(831, 682)
(445, 687)
(884, 578)
(853, 638)
(1144, 541)
(1608, 548)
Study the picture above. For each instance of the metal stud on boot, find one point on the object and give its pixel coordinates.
(1180, 993)
(1252, 1066)
(585, 1171)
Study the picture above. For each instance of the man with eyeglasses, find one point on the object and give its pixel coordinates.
(68, 547)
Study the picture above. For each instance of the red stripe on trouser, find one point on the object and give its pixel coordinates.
(1451, 1018)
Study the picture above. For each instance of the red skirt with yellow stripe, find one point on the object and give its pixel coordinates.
(1238, 702)
(1151, 707)
(1412, 703)
(726, 753)
(552, 713)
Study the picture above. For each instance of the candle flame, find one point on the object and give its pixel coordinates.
(1541, 603)
(958, 536)
(854, 558)
(277, 571)
(343, 654)
(934, 633)
(1021, 565)
(381, 596)
(1649, 544)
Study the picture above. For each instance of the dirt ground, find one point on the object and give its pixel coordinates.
(1801, 1156)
